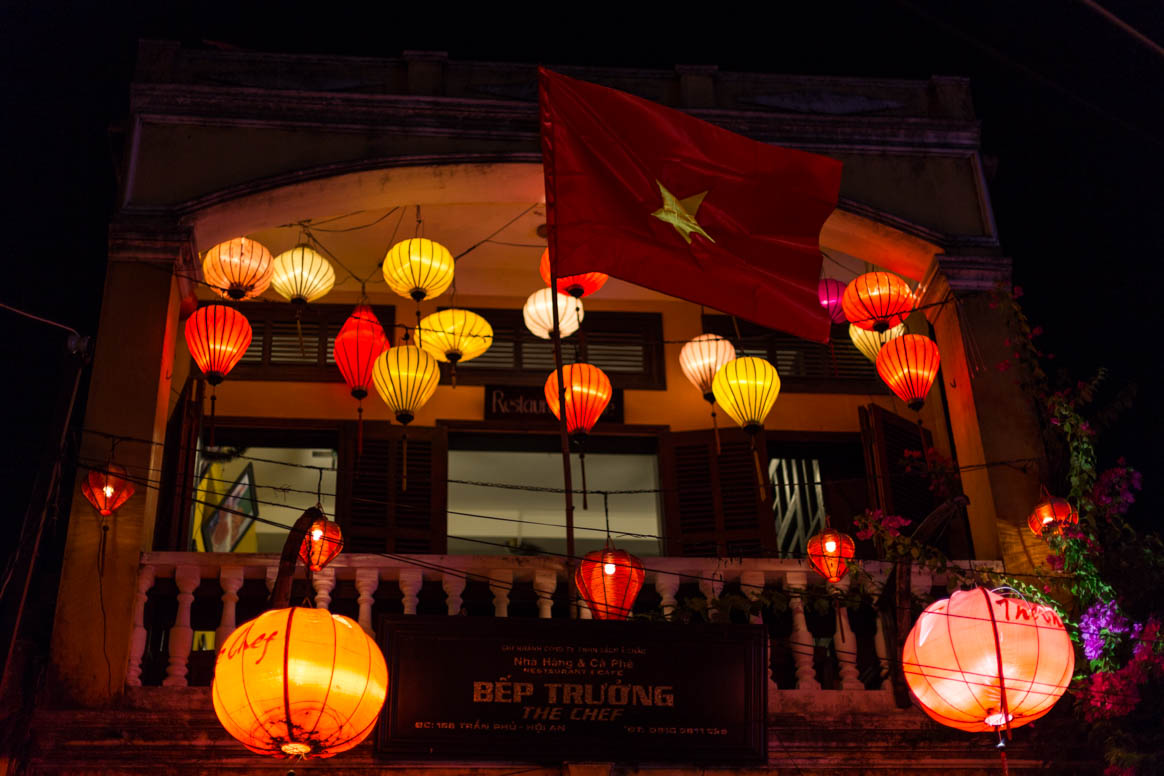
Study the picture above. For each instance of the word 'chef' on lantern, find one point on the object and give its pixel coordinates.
(747, 388)
(588, 392)
(609, 580)
(977, 660)
(829, 552)
(217, 337)
(455, 335)
(322, 542)
(359, 343)
(108, 489)
(418, 268)
(1052, 515)
(299, 682)
(877, 301)
(576, 286)
(302, 275)
(538, 312)
(909, 364)
(701, 358)
(406, 377)
(238, 269)
(830, 291)
(870, 342)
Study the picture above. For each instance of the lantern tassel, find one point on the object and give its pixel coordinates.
(715, 430)
(1001, 746)
(299, 330)
(453, 374)
(404, 462)
(360, 430)
(210, 425)
(759, 472)
(582, 464)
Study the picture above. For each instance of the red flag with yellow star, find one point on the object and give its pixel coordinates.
(666, 201)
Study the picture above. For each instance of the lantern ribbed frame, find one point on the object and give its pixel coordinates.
(610, 596)
(1052, 515)
(321, 544)
(747, 388)
(578, 286)
(238, 269)
(107, 490)
(909, 364)
(418, 268)
(406, 377)
(877, 301)
(358, 344)
(702, 357)
(455, 335)
(302, 274)
(538, 313)
(831, 291)
(951, 660)
(217, 337)
(829, 552)
(588, 392)
(869, 342)
(299, 682)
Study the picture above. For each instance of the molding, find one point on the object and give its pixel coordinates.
(970, 274)
(138, 238)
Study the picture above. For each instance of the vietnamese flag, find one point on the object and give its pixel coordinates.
(669, 202)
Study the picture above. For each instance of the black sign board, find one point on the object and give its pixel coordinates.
(527, 403)
(468, 688)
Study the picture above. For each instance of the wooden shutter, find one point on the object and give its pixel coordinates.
(172, 526)
(378, 510)
(712, 502)
(887, 437)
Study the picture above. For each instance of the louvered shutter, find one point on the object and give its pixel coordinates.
(887, 437)
(172, 525)
(712, 502)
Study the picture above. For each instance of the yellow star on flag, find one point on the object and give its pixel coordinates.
(680, 213)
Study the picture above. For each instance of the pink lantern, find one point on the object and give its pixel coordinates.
(830, 291)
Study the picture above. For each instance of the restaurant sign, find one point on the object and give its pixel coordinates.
(527, 403)
(527, 690)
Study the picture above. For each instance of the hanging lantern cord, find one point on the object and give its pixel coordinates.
(1001, 678)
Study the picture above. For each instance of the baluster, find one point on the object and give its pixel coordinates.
(846, 644)
(500, 580)
(272, 574)
(752, 586)
(712, 588)
(230, 578)
(137, 641)
(584, 612)
(324, 582)
(454, 584)
(182, 635)
(367, 580)
(410, 581)
(545, 583)
(802, 643)
(882, 657)
(667, 585)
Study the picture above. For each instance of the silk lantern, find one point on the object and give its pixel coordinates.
(978, 661)
(107, 490)
(700, 359)
(576, 286)
(358, 344)
(877, 301)
(322, 543)
(1051, 515)
(418, 269)
(609, 580)
(909, 364)
(238, 269)
(870, 342)
(747, 388)
(217, 337)
(829, 552)
(538, 312)
(302, 275)
(405, 377)
(587, 393)
(455, 335)
(830, 291)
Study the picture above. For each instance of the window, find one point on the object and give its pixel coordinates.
(811, 480)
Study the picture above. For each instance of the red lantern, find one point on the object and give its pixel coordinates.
(909, 364)
(877, 301)
(587, 394)
(1051, 515)
(107, 490)
(321, 544)
(828, 552)
(830, 291)
(217, 337)
(576, 286)
(359, 343)
(609, 580)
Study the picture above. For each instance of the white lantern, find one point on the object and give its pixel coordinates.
(539, 314)
(302, 275)
(702, 357)
(870, 342)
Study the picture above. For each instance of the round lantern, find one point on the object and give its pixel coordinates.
(455, 335)
(538, 312)
(829, 552)
(877, 301)
(702, 357)
(238, 269)
(299, 682)
(869, 342)
(302, 275)
(1051, 515)
(321, 544)
(609, 580)
(587, 394)
(576, 286)
(358, 344)
(746, 388)
(418, 268)
(406, 377)
(830, 291)
(908, 364)
(107, 490)
(217, 337)
(978, 661)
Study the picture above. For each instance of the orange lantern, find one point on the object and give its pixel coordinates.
(979, 661)
(587, 394)
(107, 490)
(1051, 515)
(909, 364)
(238, 269)
(609, 580)
(217, 337)
(321, 544)
(877, 301)
(829, 552)
(576, 286)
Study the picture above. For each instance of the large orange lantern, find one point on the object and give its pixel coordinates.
(979, 661)
(321, 544)
(238, 269)
(217, 337)
(107, 490)
(829, 552)
(877, 301)
(588, 392)
(909, 364)
(1052, 515)
(576, 286)
(609, 580)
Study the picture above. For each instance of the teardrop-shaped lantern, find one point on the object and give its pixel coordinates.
(877, 301)
(869, 342)
(576, 286)
(747, 388)
(321, 544)
(909, 364)
(217, 337)
(107, 490)
(406, 377)
(358, 344)
(702, 357)
(830, 291)
(1052, 515)
(829, 552)
(587, 394)
(302, 275)
(455, 335)
(608, 581)
(238, 269)
(538, 312)
(418, 269)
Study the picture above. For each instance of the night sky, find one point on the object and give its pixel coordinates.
(1071, 111)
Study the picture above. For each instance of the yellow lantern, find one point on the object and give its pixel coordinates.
(418, 269)
(870, 342)
(539, 314)
(746, 388)
(455, 335)
(405, 377)
(302, 275)
(237, 269)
